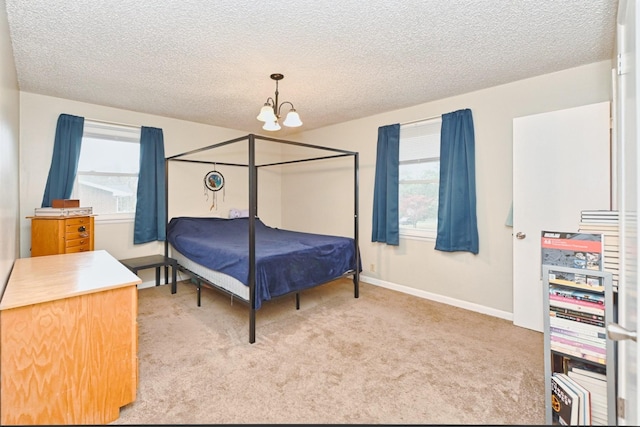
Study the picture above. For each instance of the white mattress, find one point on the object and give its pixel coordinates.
(221, 280)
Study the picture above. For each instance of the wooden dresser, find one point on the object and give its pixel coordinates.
(56, 235)
(68, 340)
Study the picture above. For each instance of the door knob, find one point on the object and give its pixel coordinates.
(520, 235)
(616, 332)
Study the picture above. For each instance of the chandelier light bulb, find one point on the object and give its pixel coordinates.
(270, 111)
(271, 126)
(266, 113)
(293, 119)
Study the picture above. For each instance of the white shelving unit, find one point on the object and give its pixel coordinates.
(557, 361)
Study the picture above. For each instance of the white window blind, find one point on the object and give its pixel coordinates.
(107, 177)
(419, 178)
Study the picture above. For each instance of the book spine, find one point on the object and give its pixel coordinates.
(562, 329)
(576, 305)
(597, 387)
(579, 313)
(570, 335)
(597, 331)
(588, 370)
(574, 344)
(566, 410)
(599, 211)
(584, 398)
(578, 319)
(571, 295)
(576, 285)
(583, 354)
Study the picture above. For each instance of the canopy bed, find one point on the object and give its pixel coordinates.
(248, 259)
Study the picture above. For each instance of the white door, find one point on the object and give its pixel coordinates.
(560, 167)
(628, 187)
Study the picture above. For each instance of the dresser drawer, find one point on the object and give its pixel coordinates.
(75, 223)
(82, 248)
(73, 235)
(78, 242)
(77, 228)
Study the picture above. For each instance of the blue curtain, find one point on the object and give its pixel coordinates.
(457, 223)
(64, 162)
(150, 219)
(386, 226)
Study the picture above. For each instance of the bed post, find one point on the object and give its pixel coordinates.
(356, 276)
(253, 210)
(166, 219)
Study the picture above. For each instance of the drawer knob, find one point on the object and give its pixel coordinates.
(82, 228)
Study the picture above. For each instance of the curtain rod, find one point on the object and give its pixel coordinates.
(112, 123)
(421, 120)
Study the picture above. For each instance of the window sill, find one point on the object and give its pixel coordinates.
(414, 237)
(113, 219)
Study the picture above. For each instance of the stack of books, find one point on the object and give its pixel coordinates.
(596, 384)
(577, 323)
(571, 402)
(605, 223)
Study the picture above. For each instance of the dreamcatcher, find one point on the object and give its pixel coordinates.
(213, 181)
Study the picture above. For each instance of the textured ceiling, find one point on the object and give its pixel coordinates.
(210, 61)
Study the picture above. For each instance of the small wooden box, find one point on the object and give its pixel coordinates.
(65, 203)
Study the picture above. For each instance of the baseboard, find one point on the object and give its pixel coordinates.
(149, 284)
(407, 290)
(439, 298)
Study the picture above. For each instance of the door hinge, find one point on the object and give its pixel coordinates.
(620, 65)
(620, 407)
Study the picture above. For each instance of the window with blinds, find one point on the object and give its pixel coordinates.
(419, 178)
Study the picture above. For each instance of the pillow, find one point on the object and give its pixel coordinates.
(238, 213)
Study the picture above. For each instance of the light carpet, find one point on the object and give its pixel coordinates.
(383, 358)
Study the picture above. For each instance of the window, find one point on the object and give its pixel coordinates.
(107, 178)
(419, 178)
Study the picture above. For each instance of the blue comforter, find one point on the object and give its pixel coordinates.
(286, 261)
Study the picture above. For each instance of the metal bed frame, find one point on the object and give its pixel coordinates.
(253, 211)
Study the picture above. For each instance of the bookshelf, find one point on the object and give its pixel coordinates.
(576, 346)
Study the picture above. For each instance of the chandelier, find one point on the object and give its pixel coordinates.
(270, 112)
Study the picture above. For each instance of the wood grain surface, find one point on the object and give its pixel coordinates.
(69, 360)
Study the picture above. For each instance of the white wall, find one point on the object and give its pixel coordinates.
(38, 118)
(323, 202)
(9, 148)
(481, 282)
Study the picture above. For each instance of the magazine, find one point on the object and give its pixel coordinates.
(574, 250)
